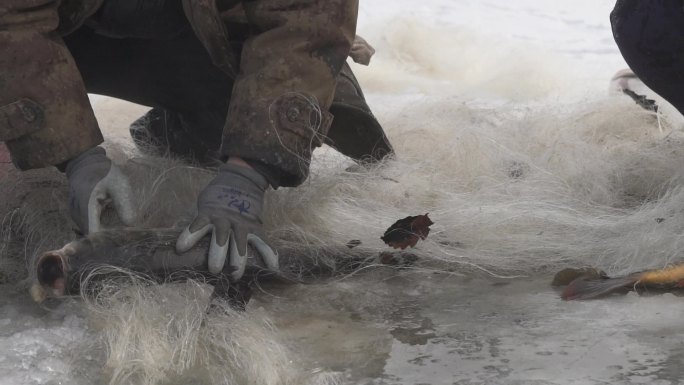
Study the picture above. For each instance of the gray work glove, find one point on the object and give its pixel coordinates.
(95, 181)
(230, 207)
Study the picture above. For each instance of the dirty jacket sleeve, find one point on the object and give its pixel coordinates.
(45, 115)
(278, 112)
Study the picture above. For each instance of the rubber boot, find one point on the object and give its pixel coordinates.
(163, 133)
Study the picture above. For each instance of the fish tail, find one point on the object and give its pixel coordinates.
(583, 288)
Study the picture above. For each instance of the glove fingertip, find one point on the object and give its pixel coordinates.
(92, 227)
(123, 204)
(93, 215)
(183, 242)
(187, 239)
(127, 214)
(268, 255)
(239, 238)
(217, 255)
(237, 261)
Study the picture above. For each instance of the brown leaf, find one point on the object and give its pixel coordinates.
(406, 232)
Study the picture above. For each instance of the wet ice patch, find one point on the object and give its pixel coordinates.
(411, 327)
(43, 346)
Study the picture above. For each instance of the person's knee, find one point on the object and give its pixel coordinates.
(618, 19)
(655, 26)
(650, 35)
(29, 15)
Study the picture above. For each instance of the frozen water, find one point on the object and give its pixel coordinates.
(506, 134)
(439, 329)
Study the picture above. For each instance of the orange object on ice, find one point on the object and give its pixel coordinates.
(669, 278)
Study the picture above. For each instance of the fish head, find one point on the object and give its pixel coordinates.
(51, 275)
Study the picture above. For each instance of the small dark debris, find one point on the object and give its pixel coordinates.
(518, 170)
(390, 179)
(660, 220)
(642, 100)
(456, 244)
(398, 259)
(353, 243)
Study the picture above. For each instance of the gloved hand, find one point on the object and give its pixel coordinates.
(94, 181)
(230, 207)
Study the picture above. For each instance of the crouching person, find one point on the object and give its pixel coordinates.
(251, 87)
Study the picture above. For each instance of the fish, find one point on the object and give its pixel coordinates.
(151, 252)
(584, 287)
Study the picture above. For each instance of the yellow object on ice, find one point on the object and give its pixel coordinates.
(671, 274)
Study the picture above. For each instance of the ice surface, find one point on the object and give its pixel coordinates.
(437, 329)
(506, 134)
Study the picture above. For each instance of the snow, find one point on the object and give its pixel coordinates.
(466, 89)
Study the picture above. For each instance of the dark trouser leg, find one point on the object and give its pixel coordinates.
(354, 131)
(175, 75)
(650, 35)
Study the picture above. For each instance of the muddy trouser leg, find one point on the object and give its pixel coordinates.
(650, 35)
(45, 117)
(174, 75)
(191, 95)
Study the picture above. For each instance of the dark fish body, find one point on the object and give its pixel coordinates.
(588, 287)
(149, 252)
